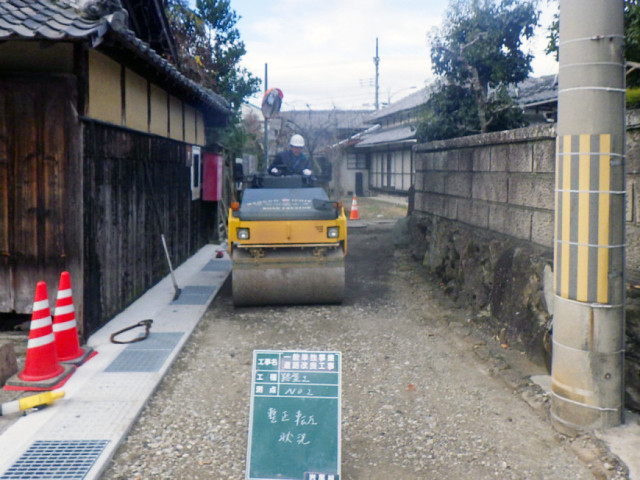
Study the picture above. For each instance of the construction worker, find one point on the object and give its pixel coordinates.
(292, 161)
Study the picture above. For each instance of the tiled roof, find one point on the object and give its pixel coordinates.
(537, 90)
(531, 92)
(93, 21)
(45, 19)
(407, 103)
(405, 134)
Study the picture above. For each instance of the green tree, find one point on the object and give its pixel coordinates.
(210, 48)
(631, 37)
(449, 112)
(477, 54)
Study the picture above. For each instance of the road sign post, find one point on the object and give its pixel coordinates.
(294, 420)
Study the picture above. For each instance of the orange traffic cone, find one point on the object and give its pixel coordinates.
(354, 215)
(65, 327)
(42, 370)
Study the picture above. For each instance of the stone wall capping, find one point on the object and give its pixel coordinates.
(520, 135)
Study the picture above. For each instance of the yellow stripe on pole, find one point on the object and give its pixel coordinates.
(566, 216)
(603, 219)
(584, 176)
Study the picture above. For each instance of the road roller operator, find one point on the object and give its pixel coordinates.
(292, 161)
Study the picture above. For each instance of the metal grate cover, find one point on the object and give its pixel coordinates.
(146, 356)
(54, 459)
(195, 295)
(158, 341)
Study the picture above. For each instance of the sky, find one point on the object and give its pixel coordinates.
(320, 52)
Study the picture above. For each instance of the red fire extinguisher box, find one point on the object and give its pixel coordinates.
(212, 177)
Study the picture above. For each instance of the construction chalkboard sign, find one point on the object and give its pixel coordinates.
(294, 419)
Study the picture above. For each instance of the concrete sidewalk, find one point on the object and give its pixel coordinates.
(76, 437)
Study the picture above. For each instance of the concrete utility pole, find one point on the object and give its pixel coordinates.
(266, 122)
(376, 61)
(588, 326)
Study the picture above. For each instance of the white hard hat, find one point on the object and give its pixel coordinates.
(296, 141)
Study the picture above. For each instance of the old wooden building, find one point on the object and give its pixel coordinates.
(101, 141)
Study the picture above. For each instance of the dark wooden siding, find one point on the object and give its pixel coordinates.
(136, 186)
(38, 210)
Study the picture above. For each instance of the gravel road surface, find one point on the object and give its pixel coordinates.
(424, 395)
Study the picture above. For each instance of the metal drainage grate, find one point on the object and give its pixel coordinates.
(138, 361)
(146, 356)
(56, 459)
(194, 295)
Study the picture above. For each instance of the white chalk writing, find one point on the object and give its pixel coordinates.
(300, 419)
(299, 439)
(299, 392)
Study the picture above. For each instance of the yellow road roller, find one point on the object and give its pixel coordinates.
(288, 243)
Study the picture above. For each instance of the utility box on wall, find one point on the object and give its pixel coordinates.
(212, 165)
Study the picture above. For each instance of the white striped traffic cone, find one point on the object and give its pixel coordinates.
(354, 215)
(41, 370)
(65, 326)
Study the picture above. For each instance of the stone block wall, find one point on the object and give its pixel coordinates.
(483, 221)
(502, 182)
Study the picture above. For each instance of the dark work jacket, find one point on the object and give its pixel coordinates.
(288, 163)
